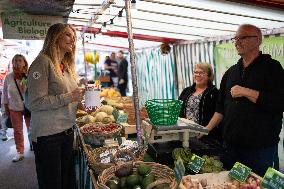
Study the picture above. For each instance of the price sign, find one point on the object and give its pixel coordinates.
(196, 163)
(179, 170)
(92, 95)
(273, 179)
(240, 172)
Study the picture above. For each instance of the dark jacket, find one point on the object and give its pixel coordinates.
(206, 106)
(248, 124)
(123, 70)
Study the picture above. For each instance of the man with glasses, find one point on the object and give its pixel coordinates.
(250, 103)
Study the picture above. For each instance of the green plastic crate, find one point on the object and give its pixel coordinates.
(163, 111)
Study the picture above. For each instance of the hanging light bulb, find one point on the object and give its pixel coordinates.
(110, 26)
(133, 4)
(119, 16)
(104, 27)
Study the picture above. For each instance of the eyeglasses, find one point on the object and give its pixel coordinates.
(199, 73)
(242, 38)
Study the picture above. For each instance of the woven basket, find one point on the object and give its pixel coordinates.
(164, 174)
(107, 134)
(163, 111)
(93, 156)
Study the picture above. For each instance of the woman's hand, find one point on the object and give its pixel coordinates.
(77, 94)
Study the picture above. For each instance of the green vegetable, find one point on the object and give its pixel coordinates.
(132, 180)
(143, 169)
(112, 184)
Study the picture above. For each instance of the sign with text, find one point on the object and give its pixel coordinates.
(273, 179)
(225, 55)
(196, 163)
(240, 172)
(179, 170)
(92, 96)
(22, 26)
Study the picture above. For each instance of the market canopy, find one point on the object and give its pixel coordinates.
(155, 21)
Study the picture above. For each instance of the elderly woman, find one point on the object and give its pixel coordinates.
(199, 100)
(13, 92)
(53, 97)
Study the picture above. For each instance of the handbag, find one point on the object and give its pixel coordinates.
(8, 123)
(26, 112)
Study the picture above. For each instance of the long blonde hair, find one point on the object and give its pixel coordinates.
(51, 48)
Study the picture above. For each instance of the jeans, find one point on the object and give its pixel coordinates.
(55, 161)
(257, 159)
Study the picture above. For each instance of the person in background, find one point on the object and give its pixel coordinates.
(3, 128)
(14, 84)
(53, 97)
(112, 66)
(122, 73)
(199, 100)
(250, 103)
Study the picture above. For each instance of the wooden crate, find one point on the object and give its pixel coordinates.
(128, 129)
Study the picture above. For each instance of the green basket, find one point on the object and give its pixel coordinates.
(163, 111)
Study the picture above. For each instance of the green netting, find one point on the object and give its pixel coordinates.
(163, 111)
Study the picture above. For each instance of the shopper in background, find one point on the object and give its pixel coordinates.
(251, 102)
(14, 87)
(112, 66)
(53, 97)
(199, 100)
(122, 73)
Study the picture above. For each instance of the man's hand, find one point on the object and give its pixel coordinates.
(238, 91)
(121, 81)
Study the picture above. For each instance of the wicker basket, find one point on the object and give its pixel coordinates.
(94, 159)
(164, 174)
(98, 138)
(163, 111)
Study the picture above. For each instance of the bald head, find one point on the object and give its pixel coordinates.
(251, 30)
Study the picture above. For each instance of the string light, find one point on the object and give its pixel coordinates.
(133, 4)
(119, 17)
(103, 29)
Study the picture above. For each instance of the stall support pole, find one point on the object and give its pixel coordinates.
(85, 62)
(133, 70)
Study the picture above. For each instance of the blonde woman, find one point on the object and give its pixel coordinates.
(53, 97)
(199, 100)
(14, 87)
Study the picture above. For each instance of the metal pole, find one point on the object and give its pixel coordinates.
(133, 71)
(84, 52)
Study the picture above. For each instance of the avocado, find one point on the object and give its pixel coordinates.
(132, 180)
(122, 182)
(148, 180)
(112, 184)
(144, 169)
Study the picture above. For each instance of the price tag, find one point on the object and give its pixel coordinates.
(196, 163)
(240, 172)
(273, 179)
(92, 95)
(179, 170)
